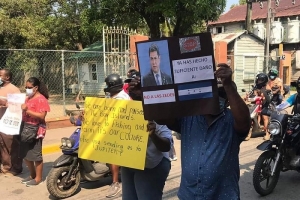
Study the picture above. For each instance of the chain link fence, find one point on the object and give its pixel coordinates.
(65, 73)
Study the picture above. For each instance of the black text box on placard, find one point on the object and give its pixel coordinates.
(177, 76)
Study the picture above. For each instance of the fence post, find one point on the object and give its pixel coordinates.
(104, 53)
(63, 81)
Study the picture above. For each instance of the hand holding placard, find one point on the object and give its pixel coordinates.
(115, 132)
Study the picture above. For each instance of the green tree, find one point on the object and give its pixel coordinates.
(180, 16)
(233, 5)
(242, 2)
(76, 24)
(22, 23)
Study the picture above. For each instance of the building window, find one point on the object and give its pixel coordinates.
(89, 72)
(219, 29)
(93, 71)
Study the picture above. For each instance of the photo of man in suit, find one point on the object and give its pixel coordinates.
(155, 76)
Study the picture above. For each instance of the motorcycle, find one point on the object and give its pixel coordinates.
(68, 171)
(279, 151)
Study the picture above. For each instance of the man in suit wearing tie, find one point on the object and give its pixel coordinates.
(155, 76)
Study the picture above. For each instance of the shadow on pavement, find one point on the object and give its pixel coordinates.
(287, 186)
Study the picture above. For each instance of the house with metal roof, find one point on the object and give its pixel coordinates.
(285, 29)
(244, 53)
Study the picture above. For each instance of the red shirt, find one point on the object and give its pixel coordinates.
(38, 104)
(126, 88)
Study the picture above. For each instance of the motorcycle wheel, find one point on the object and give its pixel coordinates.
(262, 172)
(56, 182)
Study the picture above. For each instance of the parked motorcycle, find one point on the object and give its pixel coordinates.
(69, 170)
(279, 151)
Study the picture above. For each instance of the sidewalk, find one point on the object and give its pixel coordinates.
(51, 143)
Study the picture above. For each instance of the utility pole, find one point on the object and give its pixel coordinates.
(268, 33)
(249, 16)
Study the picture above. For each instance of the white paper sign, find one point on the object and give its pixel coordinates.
(193, 69)
(159, 96)
(11, 121)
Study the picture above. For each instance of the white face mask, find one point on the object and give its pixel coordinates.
(1, 82)
(29, 92)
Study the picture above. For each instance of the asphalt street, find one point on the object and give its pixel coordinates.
(287, 187)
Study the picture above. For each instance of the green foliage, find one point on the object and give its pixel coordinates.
(50, 24)
(233, 5)
(181, 16)
(22, 23)
(242, 2)
(74, 24)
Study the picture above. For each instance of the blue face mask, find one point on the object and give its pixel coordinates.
(222, 103)
(272, 77)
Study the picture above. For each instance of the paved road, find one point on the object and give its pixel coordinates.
(287, 188)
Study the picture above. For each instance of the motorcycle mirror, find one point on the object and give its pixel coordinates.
(72, 120)
(77, 106)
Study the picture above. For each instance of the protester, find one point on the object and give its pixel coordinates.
(11, 163)
(130, 73)
(210, 144)
(149, 183)
(35, 110)
(114, 89)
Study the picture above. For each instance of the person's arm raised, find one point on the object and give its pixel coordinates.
(239, 109)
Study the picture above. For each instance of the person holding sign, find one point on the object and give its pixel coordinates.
(33, 129)
(210, 144)
(11, 164)
(149, 183)
(155, 76)
(114, 89)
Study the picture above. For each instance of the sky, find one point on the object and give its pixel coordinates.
(229, 3)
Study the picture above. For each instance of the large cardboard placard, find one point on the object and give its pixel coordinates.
(114, 132)
(177, 76)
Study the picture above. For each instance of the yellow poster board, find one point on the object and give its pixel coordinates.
(114, 132)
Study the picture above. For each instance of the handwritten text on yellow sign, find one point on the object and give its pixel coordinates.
(114, 131)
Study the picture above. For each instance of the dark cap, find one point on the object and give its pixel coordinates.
(133, 75)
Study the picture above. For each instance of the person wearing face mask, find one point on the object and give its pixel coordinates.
(11, 163)
(210, 143)
(35, 110)
(275, 85)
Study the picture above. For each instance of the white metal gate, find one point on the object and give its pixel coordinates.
(116, 49)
